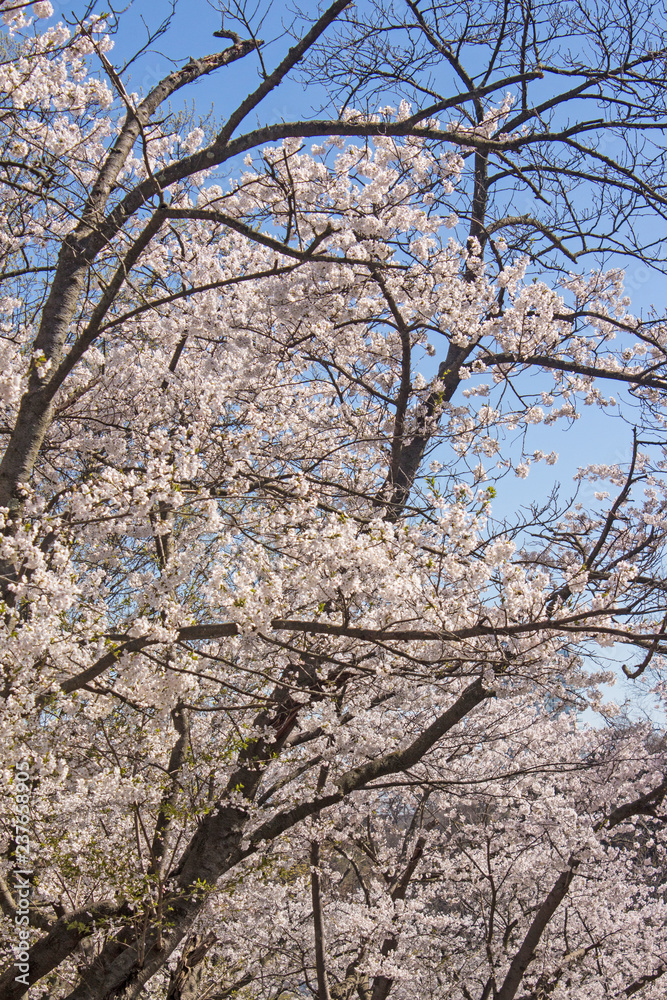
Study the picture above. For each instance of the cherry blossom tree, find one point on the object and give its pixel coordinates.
(301, 713)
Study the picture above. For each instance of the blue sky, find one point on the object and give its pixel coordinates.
(191, 34)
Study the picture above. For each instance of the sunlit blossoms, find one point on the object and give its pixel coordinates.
(301, 679)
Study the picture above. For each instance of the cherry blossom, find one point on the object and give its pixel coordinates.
(302, 712)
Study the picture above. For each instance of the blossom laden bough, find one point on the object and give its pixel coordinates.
(301, 714)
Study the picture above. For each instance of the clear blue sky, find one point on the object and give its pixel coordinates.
(191, 34)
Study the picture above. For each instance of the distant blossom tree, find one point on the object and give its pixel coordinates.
(301, 715)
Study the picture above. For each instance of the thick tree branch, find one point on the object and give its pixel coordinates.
(47, 953)
(217, 846)
(524, 955)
